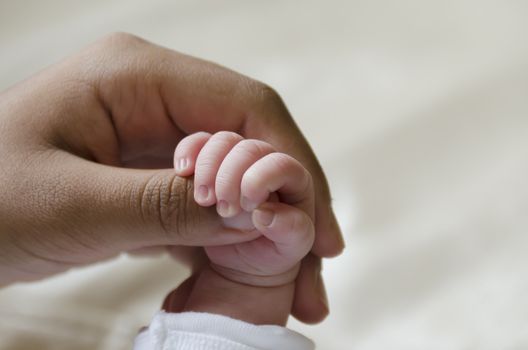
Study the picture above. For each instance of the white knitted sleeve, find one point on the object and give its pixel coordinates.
(201, 331)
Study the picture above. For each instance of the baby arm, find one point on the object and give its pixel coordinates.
(265, 191)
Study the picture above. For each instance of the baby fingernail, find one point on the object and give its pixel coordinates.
(247, 204)
(223, 208)
(182, 164)
(263, 216)
(202, 193)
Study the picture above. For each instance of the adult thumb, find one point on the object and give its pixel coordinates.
(67, 211)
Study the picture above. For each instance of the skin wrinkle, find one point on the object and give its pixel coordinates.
(153, 201)
(168, 198)
(165, 108)
(141, 107)
(39, 257)
(184, 223)
(70, 102)
(137, 201)
(186, 220)
(175, 198)
(262, 281)
(145, 194)
(25, 274)
(161, 208)
(15, 240)
(243, 258)
(116, 160)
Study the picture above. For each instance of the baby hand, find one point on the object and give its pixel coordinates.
(253, 186)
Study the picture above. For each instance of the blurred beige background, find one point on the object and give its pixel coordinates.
(418, 111)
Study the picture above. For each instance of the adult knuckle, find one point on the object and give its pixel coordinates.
(119, 50)
(115, 60)
(120, 38)
(266, 95)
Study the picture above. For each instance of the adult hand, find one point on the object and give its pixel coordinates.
(85, 148)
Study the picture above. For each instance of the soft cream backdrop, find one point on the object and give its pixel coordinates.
(418, 111)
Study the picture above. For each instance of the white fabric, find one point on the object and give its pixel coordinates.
(203, 331)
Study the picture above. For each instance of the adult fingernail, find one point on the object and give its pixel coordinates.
(202, 194)
(182, 164)
(224, 209)
(263, 217)
(247, 204)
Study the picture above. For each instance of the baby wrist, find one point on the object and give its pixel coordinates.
(213, 293)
